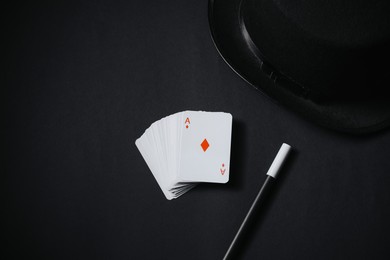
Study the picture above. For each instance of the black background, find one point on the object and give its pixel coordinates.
(83, 82)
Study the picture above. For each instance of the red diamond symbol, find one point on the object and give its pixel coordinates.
(205, 145)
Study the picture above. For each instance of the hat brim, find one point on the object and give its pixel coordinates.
(356, 117)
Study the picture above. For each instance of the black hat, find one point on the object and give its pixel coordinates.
(328, 60)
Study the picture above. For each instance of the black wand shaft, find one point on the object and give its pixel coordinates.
(271, 175)
(260, 196)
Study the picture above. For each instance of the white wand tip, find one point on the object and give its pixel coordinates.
(279, 160)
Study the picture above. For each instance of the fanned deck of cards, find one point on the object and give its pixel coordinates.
(187, 148)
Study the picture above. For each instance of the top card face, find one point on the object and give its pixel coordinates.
(205, 147)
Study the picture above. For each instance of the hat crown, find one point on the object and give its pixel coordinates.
(323, 45)
(344, 22)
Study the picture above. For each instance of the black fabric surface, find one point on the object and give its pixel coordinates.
(84, 80)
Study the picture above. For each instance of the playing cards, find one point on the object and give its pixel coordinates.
(186, 148)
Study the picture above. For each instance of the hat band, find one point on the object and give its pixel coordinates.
(278, 78)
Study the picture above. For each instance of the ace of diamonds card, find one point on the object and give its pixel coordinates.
(205, 147)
